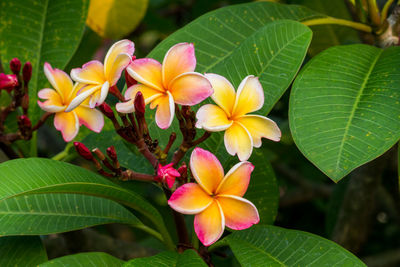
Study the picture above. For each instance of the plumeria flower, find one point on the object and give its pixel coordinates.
(215, 199)
(167, 174)
(60, 97)
(163, 85)
(98, 78)
(242, 131)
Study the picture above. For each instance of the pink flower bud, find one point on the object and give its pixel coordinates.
(15, 65)
(112, 153)
(167, 174)
(8, 81)
(83, 151)
(106, 110)
(183, 169)
(27, 72)
(140, 106)
(25, 121)
(128, 79)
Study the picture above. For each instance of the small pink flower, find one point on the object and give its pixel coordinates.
(167, 174)
(60, 97)
(163, 85)
(216, 199)
(8, 81)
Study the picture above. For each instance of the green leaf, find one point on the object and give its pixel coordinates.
(344, 107)
(21, 251)
(117, 18)
(40, 31)
(35, 175)
(98, 259)
(55, 213)
(165, 259)
(275, 246)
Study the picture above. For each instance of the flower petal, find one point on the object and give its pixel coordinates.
(260, 126)
(236, 180)
(190, 198)
(147, 71)
(149, 94)
(113, 63)
(68, 124)
(209, 224)
(179, 59)
(206, 169)
(238, 141)
(59, 80)
(82, 96)
(165, 110)
(224, 94)
(90, 73)
(125, 107)
(212, 118)
(53, 101)
(91, 118)
(239, 213)
(249, 97)
(103, 93)
(190, 88)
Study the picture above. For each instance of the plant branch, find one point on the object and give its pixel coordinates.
(385, 10)
(343, 22)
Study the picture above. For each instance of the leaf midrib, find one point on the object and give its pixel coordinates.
(354, 108)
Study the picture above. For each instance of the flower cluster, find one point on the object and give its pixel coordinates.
(170, 87)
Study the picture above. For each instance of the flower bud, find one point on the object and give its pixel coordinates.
(112, 153)
(24, 122)
(8, 81)
(83, 151)
(106, 110)
(140, 106)
(167, 174)
(15, 65)
(27, 72)
(129, 80)
(183, 169)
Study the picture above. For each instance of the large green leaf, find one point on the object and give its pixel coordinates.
(55, 213)
(345, 108)
(275, 246)
(98, 259)
(165, 259)
(40, 31)
(34, 175)
(21, 251)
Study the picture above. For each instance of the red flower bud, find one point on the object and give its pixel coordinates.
(8, 81)
(27, 72)
(112, 153)
(15, 65)
(140, 106)
(167, 174)
(129, 80)
(25, 121)
(83, 151)
(183, 169)
(106, 110)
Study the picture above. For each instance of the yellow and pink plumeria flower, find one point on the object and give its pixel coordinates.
(242, 131)
(216, 199)
(57, 101)
(98, 78)
(163, 85)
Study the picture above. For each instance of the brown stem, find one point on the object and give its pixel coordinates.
(41, 121)
(130, 175)
(141, 145)
(183, 236)
(201, 139)
(171, 141)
